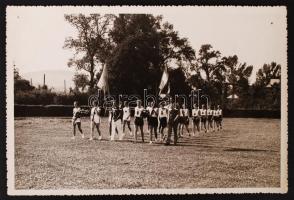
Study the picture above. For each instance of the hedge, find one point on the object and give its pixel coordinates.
(66, 111)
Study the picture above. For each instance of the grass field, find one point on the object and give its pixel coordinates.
(244, 154)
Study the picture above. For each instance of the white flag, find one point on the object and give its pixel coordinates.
(164, 80)
(103, 81)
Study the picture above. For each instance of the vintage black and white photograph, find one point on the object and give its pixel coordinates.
(146, 100)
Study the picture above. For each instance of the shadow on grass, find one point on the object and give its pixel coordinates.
(252, 150)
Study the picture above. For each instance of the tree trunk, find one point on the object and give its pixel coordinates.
(91, 85)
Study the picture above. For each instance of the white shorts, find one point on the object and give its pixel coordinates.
(97, 119)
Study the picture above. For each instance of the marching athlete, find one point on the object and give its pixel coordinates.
(173, 120)
(76, 119)
(220, 117)
(148, 116)
(209, 119)
(95, 118)
(116, 122)
(153, 121)
(203, 114)
(196, 119)
(127, 118)
(110, 118)
(214, 118)
(162, 117)
(139, 122)
(184, 120)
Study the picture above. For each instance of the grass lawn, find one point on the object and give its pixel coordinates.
(246, 153)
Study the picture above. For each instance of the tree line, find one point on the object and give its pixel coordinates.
(136, 48)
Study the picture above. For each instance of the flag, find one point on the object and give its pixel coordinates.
(165, 91)
(103, 81)
(164, 87)
(164, 79)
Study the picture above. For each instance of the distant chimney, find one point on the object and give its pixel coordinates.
(31, 82)
(64, 86)
(44, 80)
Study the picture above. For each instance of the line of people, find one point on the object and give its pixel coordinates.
(172, 116)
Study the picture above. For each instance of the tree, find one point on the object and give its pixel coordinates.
(237, 75)
(80, 81)
(268, 72)
(21, 84)
(268, 96)
(16, 74)
(208, 62)
(152, 47)
(207, 73)
(92, 43)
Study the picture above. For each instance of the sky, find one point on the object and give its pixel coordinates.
(257, 35)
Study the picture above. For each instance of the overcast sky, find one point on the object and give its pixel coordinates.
(35, 35)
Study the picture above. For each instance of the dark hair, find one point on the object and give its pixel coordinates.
(95, 103)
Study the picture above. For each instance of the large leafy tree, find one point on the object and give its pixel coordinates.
(92, 43)
(268, 72)
(208, 62)
(268, 96)
(237, 74)
(81, 81)
(143, 48)
(207, 73)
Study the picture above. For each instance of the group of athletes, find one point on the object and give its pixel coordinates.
(172, 116)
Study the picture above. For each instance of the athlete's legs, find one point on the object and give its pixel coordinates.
(74, 129)
(124, 124)
(142, 133)
(98, 128)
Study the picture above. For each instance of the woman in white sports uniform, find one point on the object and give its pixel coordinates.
(219, 117)
(127, 117)
(139, 122)
(196, 119)
(153, 121)
(203, 114)
(76, 119)
(95, 118)
(209, 119)
(215, 119)
(184, 120)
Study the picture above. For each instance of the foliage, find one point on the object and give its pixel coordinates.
(80, 81)
(152, 47)
(92, 44)
(21, 84)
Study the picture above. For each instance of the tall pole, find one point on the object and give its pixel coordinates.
(31, 82)
(44, 80)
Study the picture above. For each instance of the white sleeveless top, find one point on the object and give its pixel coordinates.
(95, 114)
(162, 112)
(126, 113)
(209, 112)
(219, 112)
(184, 112)
(138, 111)
(202, 112)
(195, 112)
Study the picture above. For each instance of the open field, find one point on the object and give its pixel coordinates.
(244, 154)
